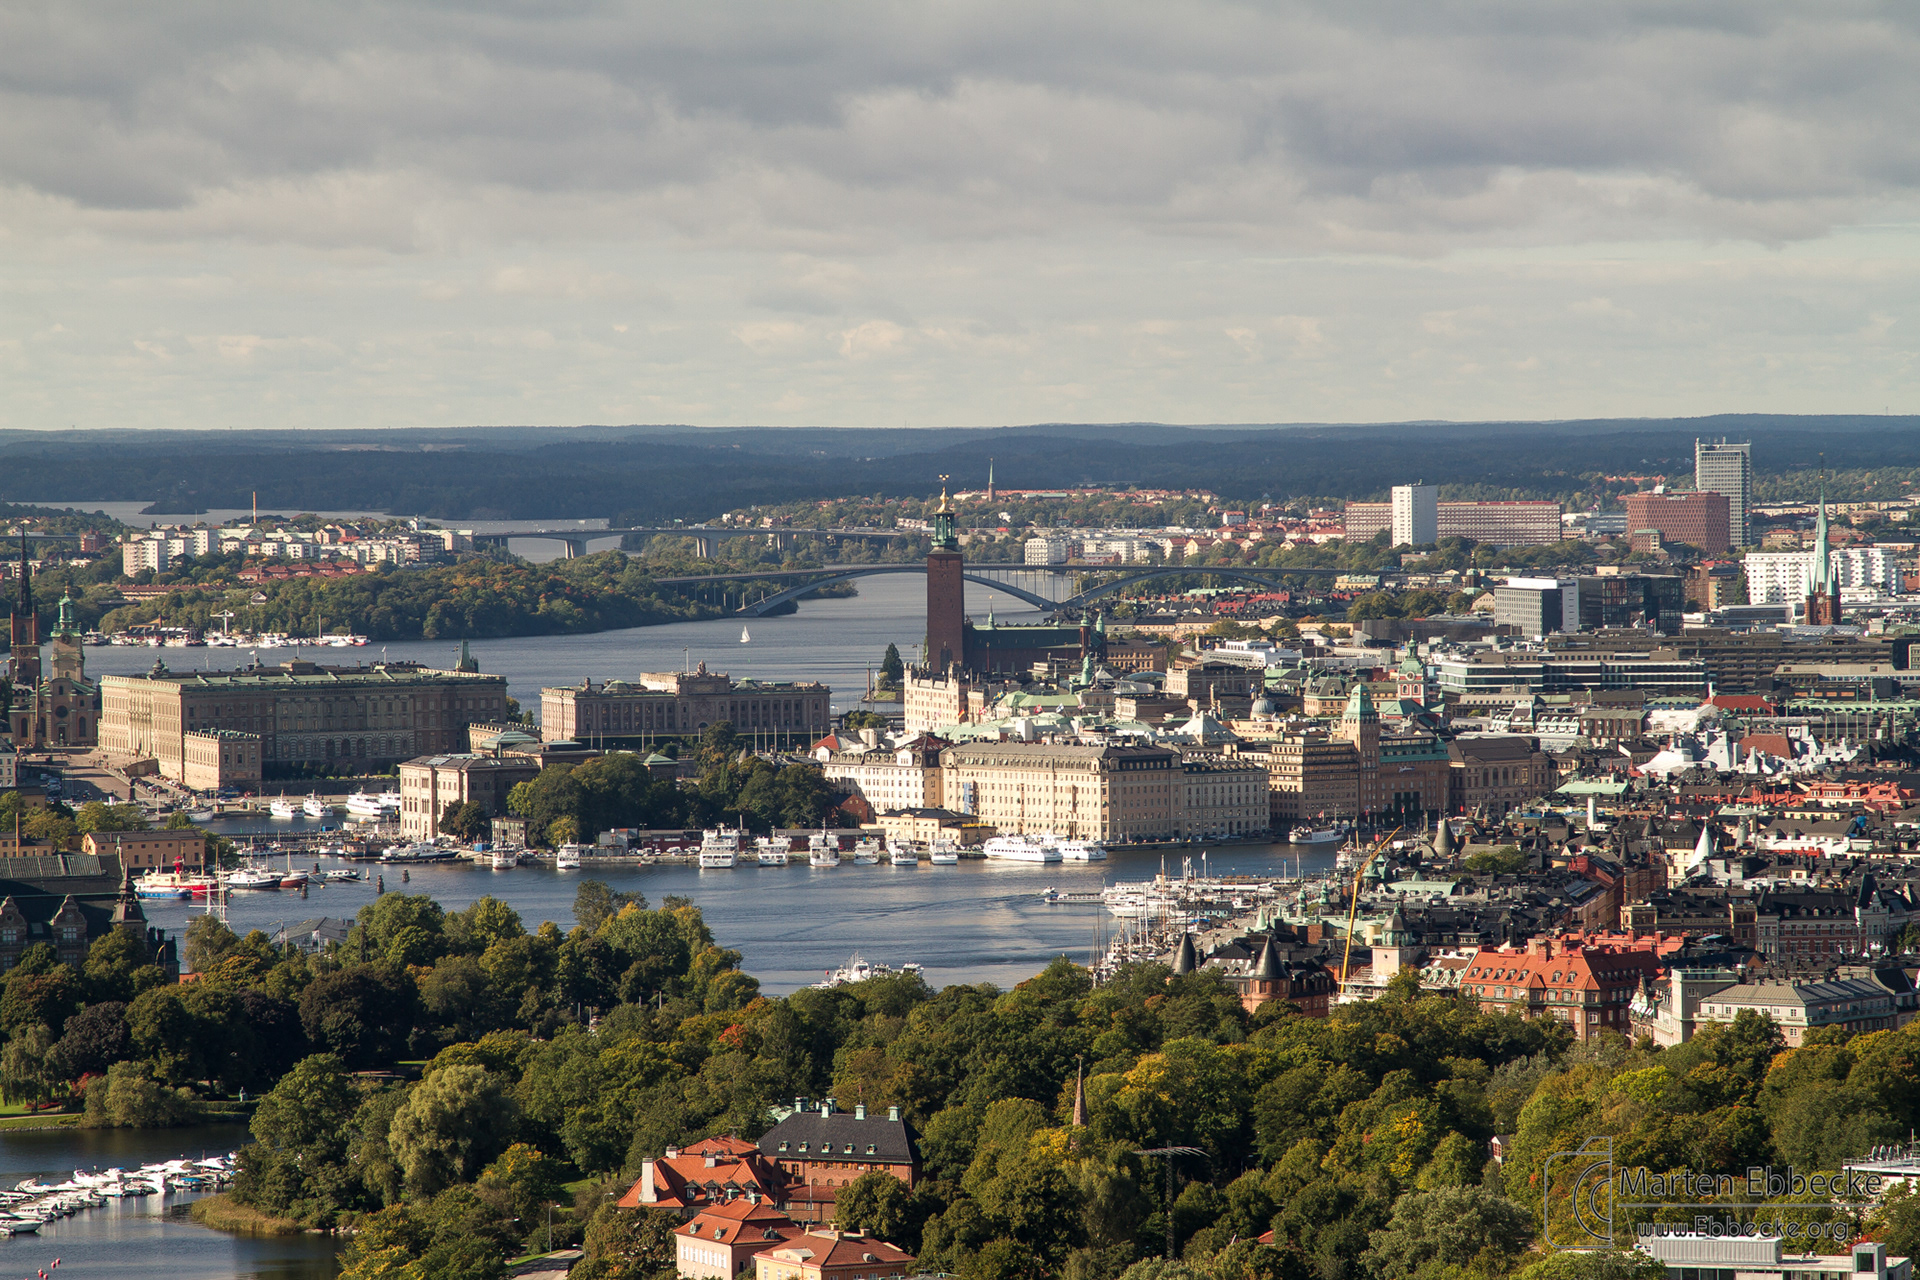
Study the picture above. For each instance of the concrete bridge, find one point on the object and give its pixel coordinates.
(705, 537)
(829, 574)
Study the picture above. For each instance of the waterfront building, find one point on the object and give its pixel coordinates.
(1497, 773)
(1416, 514)
(664, 704)
(429, 784)
(215, 759)
(1699, 519)
(1078, 792)
(309, 719)
(903, 777)
(1223, 797)
(1728, 469)
(147, 849)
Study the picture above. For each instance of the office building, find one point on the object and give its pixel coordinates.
(1501, 524)
(1354, 770)
(1416, 514)
(1727, 469)
(1652, 600)
(1046, 550)
(663, 704)
(1538, 606)
(309, 719)
(1698, 519)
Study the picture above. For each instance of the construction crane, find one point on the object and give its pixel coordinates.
(1353, 898)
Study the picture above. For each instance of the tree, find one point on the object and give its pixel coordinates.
(96, 817)
(1505, 860)
(452, 1123)
(466, 820)
(563, 830)
(178, 821)
(1618, 1264)
(94, 1039)
(626, 1244)
(892, 670)
(27, 1073)
(209, 941)
(594, 904)
(363, 1014)
(1461, 1228)
(128, 1097)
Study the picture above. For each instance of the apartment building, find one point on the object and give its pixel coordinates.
(429, 784)
(890, 778)
(1505, 524)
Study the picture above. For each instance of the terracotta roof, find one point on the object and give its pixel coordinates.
(737, 1221)
(837, 1249)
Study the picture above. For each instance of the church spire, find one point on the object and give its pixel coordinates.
(1822, 554)
(26, 578)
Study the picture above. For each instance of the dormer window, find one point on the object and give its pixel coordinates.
(803, 1146)
(869, 1148)
(783, 1146)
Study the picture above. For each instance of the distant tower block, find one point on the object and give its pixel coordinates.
(990, 498)
(946, 591)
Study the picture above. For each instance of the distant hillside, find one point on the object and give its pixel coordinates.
(652, 473)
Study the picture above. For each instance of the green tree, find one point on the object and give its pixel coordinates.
(209, 941)
(27, 1071)
(1455, 1231)
(128, 1097)
(892, 670)
(97, 817)
(466, 820)
(594, 904)
(1505, 860)
(626, 1244)
(451, 1125)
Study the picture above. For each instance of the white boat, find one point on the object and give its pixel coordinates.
(362, 807)
(252, 878)
(199, 813)
(771, 852)
(866, 852)
(1022, 849)
(342, 875)
(902, 854)
(504, 859)
(314, 807)
(822, 850)
(1082, 851)
(719, 849)
(567, 857)
(160, 887)
(417, 852)
(1304, 834)
(283, 810)
(858, 970)
(944, 854)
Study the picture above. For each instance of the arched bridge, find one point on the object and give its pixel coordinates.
(829, 574)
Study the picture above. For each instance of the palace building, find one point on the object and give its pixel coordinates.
(307, 718)
(674, 704)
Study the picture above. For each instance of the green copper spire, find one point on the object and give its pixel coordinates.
(65, 625)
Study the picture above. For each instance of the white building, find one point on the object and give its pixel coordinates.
(146, 553)
(889, 778)
(1416, 514)
(1046, 551)
(1781, 577)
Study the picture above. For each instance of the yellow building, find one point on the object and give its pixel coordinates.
(1080, 793)
(683, 704)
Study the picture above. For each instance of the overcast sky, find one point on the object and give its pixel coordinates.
(950, 213)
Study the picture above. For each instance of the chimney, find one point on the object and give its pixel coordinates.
(859, 1111)
(711, 1160)
(893, 1113)
(826, 1108)
(799, 1103)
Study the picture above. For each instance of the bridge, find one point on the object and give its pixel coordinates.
(705, 537)
(829, 574)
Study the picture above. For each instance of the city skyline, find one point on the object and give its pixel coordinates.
(873, 217)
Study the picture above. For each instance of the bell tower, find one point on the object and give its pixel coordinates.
(69, 660)
(24, 630)
(946, 591)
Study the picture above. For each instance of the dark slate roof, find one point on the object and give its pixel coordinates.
(892, 1140)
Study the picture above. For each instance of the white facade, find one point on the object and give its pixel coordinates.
(144, 554)
(1046, 551)
(1416, 514)
(1782, 577)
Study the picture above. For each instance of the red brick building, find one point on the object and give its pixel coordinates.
(1697, 519)
(718, 1243)
(712, 1171)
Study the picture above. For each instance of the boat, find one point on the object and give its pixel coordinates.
(314, 807)
(362, 807)
(503, 859)
(411, 853)
(199, 813)
(1022, 848)
(160, 887)
(859, 970)
(744, 637)
(866, 852)
(719, 849)
(944, 854)
(251, 878)
(822, 850)
(567, 857)
(340, 875)
(902, 854)
(1082, 851)
(770, 852)
(1304, 834)
(283, 810)
(294, 880)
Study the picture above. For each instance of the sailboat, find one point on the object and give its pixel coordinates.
(744, 637)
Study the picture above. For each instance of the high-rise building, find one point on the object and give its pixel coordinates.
(946, 592)
(1728, 468)
(1538, 606)
(1503, 524)
(1416, 514)
(1700, 519)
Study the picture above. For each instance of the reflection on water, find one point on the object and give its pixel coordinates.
(150, 1235)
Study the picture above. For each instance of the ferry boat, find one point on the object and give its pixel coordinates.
(377, 807)
(314, 807)
(719, 849)
(1022, 849)
(160, 887)
(866, 852)
(944, 854)
(503, 860)
(567, 857)
(1304, 834)
(902, 854)
(770, 852)
(411, 853)
(1082, 851)
(283, 810)
(199, 813)
(340, 875)
(822, 850)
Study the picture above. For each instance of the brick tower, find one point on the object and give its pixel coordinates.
(946, 592)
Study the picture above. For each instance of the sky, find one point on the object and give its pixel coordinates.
(346, 213)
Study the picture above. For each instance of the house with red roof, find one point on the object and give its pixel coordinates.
(1585, 983)
(710, 1172)
(832, 1255)
(717, 1243)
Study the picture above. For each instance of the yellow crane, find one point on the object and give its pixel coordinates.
(1353, 898)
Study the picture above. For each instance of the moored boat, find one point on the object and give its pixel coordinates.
(283, 810)
(719, 849)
